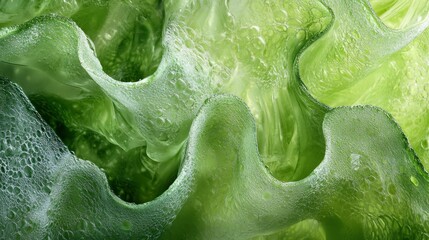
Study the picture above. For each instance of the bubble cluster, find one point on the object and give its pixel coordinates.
(48, 192)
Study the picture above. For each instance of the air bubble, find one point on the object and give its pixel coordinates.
(11, 214)
(28, 171)
(8, 152)
(414, 181)
(39, 133)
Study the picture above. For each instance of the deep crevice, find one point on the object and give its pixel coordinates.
(127, 37)
(131, 175)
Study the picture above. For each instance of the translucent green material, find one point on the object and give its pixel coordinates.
(196, 111)
(222, 189)
(47, 192)
(379, 66)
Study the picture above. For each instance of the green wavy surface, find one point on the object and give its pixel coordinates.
(195, 114)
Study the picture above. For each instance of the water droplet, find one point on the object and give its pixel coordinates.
(163, 137)
(47, 189)
(181, 84)
(83, 224)
(256, 28)
(126, 225)
(107, 36)
(425, 144)
(391, 189)
(355, 161)
(262, 41)
(414, 181)
(267, 195)
(241, 167)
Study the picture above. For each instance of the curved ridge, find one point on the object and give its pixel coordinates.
(369, 170)
(368, 63)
